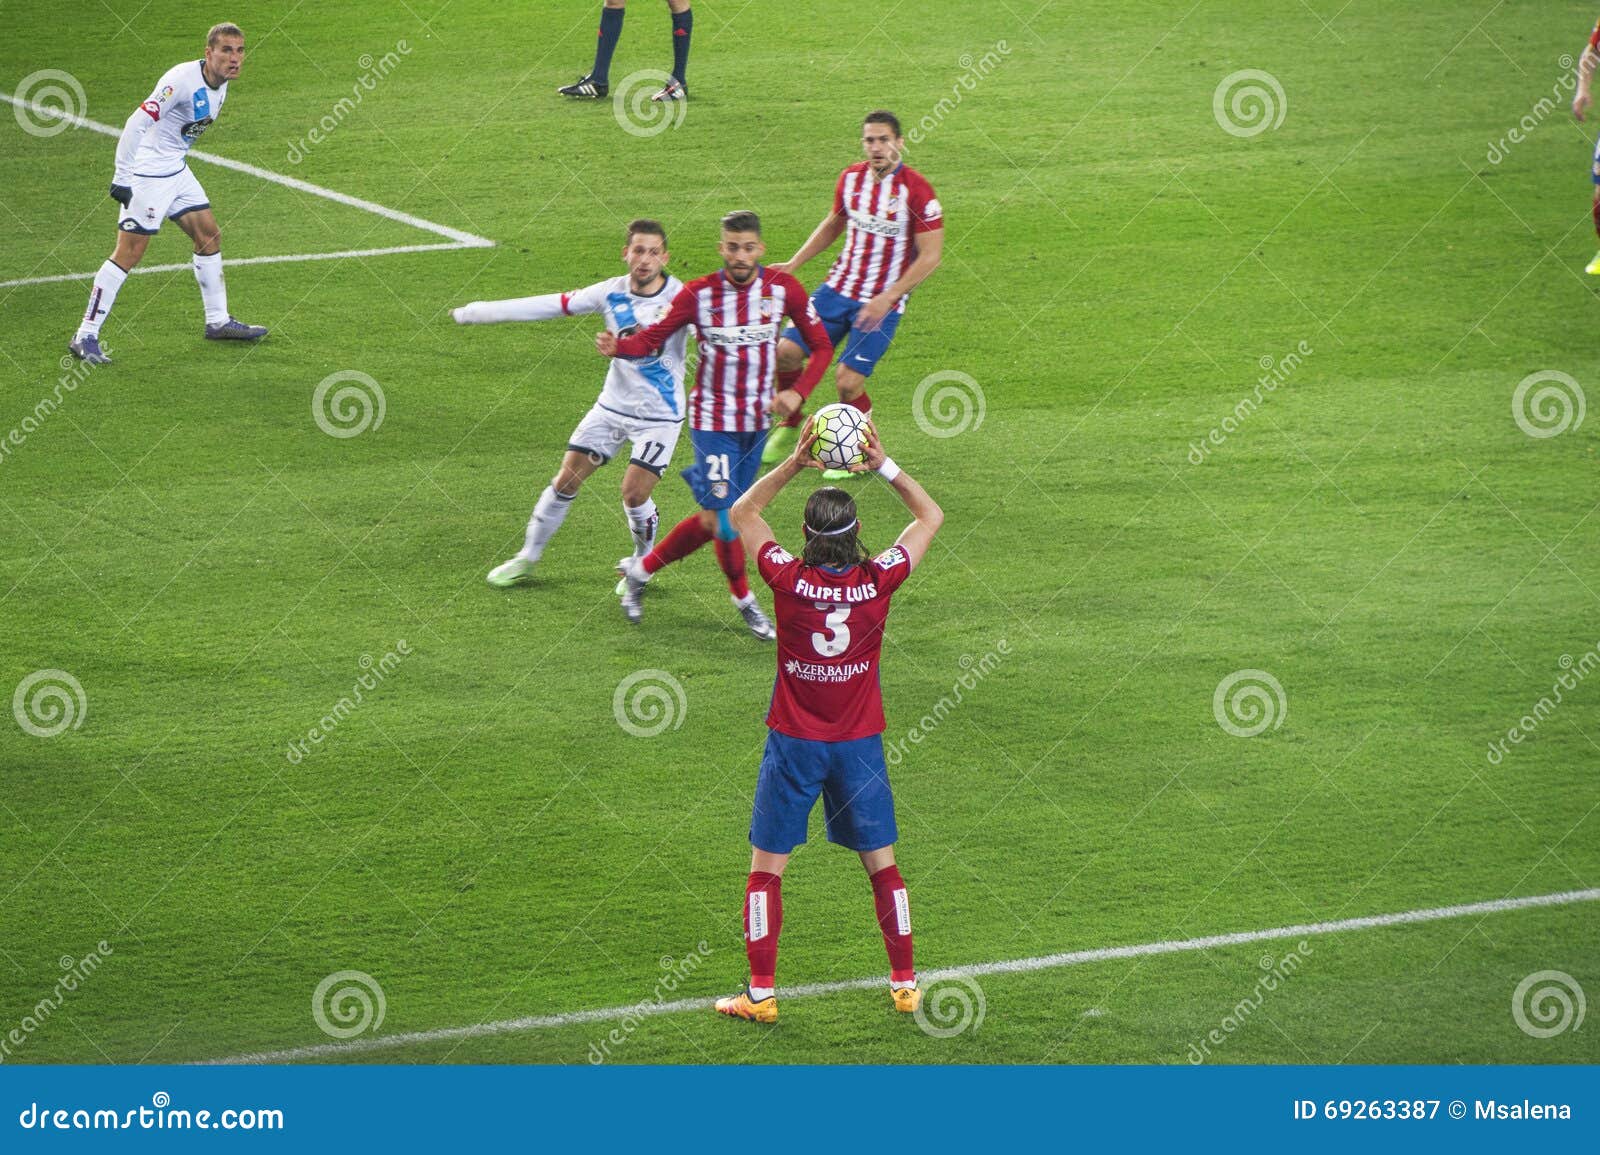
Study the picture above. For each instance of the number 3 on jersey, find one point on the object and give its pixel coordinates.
(837, 640)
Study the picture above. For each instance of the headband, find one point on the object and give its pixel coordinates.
(833, 532)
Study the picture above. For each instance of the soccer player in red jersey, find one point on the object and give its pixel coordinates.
(1580, 106)
(893, 227)
(735, 313)
(826, 718)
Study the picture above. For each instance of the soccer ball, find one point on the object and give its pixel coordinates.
(841, 431)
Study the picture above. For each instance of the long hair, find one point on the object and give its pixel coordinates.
(833, 530)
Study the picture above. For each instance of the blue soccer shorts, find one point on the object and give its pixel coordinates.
(862, 350)
(725, 465)
(852, 779)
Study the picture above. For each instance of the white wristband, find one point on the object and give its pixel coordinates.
(888, 470)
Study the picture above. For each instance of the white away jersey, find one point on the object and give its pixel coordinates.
(643, 387)
(182, 106)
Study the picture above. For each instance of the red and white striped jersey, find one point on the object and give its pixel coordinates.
(737, 327)
(884, 218)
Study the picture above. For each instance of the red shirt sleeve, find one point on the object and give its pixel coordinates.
(927, 214)
(797, 306)
(647, 341)
(773, 561)
(890, 568)
(1594, 37)
(838, 195)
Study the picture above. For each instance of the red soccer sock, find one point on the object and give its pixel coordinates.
(730, 556)
(1597, 211)
(686, 537)
(862, 402)
(787, 379)
(763, 918)
(894, 919)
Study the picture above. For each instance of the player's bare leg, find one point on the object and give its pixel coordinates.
(763, 919)
(780, 439)
(201, 225)
(124, 258)
(682, 26)
(852, 391)
(894, 920)
(548, 514)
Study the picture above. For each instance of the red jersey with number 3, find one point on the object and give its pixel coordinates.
(830, 629)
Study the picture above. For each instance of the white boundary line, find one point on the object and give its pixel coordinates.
(1044, 962)
(457, 238)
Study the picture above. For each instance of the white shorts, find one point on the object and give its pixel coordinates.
(159, 198)
(602, 432)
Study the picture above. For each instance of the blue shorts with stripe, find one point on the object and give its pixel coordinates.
(725, 465)
(863, 349)
(851, 777)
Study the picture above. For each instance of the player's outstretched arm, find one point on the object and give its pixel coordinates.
(746, 512)
(918, 536)
(649, 341)
(828, 231)
(545, 307)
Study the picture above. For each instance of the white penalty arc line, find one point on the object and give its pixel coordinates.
(457, 237)
(926, 978)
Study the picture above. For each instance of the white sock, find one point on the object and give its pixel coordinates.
(759, 993)
(104, 294)
(548, 514)
(749, 599)
(642, 520)
(213, 293)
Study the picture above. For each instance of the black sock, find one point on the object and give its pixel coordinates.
(610, 33)
(682, 26)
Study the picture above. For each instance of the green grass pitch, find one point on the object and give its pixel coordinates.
(1375, 531)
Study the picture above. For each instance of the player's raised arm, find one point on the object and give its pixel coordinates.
(541, 308)
(746, 512)
(918, 536)
(649, 341)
